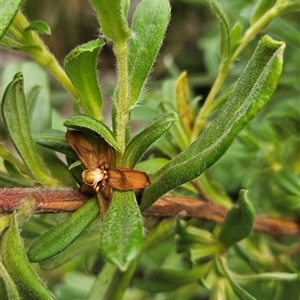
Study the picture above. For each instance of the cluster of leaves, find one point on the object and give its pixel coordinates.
(192, 143)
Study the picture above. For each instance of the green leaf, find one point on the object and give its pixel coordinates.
(55, 140)
(122, 230)
(225, 33)
(291, 5)
(8, 11)
(15, 173)
(6, 181)
(80, 65)
(58, 169)
(15, 116)
(87, 240)
(178, 132)
(184, 105)
(261, 7)
(159, 280)
(113, 19)
(235, 36)
(288, 181)
(10, 291)
(266, 276)
(37, 93)
(29, 285)
(192, 237)
(203, 251)
(39, 26)
(85, 123)
(64, 234)
(39, 110)
(240, 292)
(151, 165)
(238, 222)
(149, 26)
(119, 281)
(10, 43)
(143, 140)
(39, 114)
(7, 155)
(252, 91)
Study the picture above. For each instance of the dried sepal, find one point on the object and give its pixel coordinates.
(99, 177)
(84, 149)
(126, 179)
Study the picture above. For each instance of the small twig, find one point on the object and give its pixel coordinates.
(200, 191)
(68, 200)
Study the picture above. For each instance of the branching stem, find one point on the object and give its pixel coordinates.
(68, 200)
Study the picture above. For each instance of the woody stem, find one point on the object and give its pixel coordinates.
(68, 200)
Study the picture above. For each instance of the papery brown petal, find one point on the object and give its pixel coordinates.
(104, 153)
(127, 179)
(84, 149)
(104, 198)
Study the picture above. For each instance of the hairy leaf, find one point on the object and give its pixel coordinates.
(64, 234)
(252, 91)
(29, 285)
(144, 139)
(149, 25)
(113, 19)
(122, 230)
(80, 65)
(8, 11)
(39, 26)
(238, 222)
(14, 111)
(225, 34)
(85, 123)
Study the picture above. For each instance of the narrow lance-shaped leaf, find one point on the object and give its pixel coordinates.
(55, 140)
(252, 91)
(113, 19)
(261, 7)
(235, 36)
(80, 65)
(15, 116)
(39, 26)
(40, 118)
(149, 26)
(10, 291)
(238, 222)
(37, 91)
(13, 256)
(6, 181)
(58, 238)
(178, 132)
(7, 155)
(84, 123)
(143, 140)
(16, 175)
(238, 290)
(122, 230)
(158, 280)
(183, 103)
(225, 34)
(85, 241)
(8, 11)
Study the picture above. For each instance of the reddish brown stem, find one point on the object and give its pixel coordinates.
(48, 200)
(68, 200)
